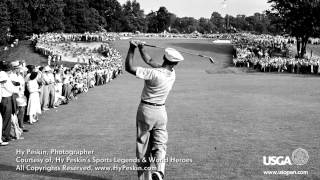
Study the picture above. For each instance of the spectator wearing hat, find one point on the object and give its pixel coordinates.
(13, 75)
(39, 70)
(48, 89)
(67, 87)
(34, 107)
(6, 105)
(21, 99)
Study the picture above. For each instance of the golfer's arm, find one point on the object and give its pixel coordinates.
(147, 59)
(129, 62)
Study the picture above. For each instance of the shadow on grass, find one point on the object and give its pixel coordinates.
(54, 174)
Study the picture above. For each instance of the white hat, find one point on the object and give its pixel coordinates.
(3, 76)
(15, 64)
(47, 68)
(173, 55)
(23, 69)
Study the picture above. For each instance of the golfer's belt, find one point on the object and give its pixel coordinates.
(152, 104)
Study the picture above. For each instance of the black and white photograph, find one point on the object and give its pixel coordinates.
(160, 90)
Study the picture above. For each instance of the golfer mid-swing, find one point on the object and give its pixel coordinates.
(151, 117)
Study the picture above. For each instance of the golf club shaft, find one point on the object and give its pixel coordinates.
(211, 60)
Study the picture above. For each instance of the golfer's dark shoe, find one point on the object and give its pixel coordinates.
(157, 175)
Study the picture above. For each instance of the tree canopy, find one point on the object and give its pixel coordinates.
(300, 19)
(38, 16)
(133, 17)
(4, 22)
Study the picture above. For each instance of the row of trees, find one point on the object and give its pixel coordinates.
(298, 18)
(39, 16)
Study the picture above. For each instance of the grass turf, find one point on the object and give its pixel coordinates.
(224, 122)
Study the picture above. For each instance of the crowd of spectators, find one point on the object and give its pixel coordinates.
(268, 53)
(58, 47)
(29, 90)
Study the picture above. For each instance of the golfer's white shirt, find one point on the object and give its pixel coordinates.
(158, 83)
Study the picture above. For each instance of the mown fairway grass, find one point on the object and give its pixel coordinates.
(225, 121)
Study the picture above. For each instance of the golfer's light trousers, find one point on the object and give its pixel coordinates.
(152, 137)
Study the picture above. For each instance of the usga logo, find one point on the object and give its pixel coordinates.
(299, 157)
(276, 160)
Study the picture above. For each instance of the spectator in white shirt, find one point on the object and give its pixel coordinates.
(6, 105)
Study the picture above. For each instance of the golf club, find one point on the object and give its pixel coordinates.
(204, 56)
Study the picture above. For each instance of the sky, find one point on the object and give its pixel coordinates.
(204, 8)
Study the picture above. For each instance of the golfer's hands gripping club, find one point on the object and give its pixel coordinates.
(133, 44)
(137, 43)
